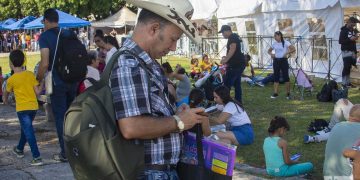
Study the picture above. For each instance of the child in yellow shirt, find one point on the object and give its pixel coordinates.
(205, 64)
(195, 69)
(25, 87)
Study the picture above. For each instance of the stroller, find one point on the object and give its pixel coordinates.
(209, 82)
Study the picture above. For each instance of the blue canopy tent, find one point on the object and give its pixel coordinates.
(19, 24)
(7, 22)
(65, 20)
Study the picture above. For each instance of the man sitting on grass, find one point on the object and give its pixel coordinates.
(342, 136)
(341, 112)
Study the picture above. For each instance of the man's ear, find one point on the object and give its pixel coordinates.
(154, 28)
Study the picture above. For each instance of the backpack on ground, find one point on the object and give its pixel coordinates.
(339, 94)
(94, 145)
(72, 58)
(317, 125)
(325, 95)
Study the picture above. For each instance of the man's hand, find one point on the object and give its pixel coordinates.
(355, 155)
(353, 38)
(190, 117)
(346, 102)
(272, 56)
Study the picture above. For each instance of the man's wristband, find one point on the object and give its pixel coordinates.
(180, 124)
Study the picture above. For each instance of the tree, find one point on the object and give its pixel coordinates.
(81, 8)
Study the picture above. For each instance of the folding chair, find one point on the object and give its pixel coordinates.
(303, 83)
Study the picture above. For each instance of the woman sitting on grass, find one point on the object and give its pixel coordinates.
(241, 131)
(278, 162)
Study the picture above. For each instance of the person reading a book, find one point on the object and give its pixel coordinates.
(278, 161)
(241, 131)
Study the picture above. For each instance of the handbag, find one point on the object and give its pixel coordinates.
(49, 74)
(198, 171)
(48, 83)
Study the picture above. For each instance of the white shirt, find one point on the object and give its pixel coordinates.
(280, 51)
(109, 54)
(91, 73)
(238, 115)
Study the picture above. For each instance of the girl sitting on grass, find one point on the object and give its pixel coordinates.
(278, 162)
(241, 131)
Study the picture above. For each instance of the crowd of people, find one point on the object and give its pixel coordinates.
(29, 40)
(156, 110)
(11, 40)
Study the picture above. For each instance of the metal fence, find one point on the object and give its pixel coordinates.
(318, 55)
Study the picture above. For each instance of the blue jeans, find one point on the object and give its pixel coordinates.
(233, 78)
(27, 132)
(159, 175)
(63, 95)
(270, 78)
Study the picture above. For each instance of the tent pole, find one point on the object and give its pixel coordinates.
(312, 55)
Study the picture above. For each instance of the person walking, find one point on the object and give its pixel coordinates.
(63, 93)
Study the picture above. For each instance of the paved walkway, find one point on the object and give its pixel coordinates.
(13, 168)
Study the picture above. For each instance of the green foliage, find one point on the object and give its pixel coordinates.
(81, 8)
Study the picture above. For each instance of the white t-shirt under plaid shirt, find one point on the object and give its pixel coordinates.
(129, 87)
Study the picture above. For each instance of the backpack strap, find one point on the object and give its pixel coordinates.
(56, 48)
(105, 76)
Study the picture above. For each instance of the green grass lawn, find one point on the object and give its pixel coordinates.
(261, 109)
(32, 60)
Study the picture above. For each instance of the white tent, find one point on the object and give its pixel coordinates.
(301, 19)
(122, 18)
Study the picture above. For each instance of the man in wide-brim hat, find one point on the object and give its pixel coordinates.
(140, 95)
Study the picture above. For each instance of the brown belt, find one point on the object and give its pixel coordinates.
(160, 167)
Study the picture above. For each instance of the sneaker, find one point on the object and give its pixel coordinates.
(260, 84)
(18, 153)
(36, 162)
(308, 139)
(59, 158)
(274, 96)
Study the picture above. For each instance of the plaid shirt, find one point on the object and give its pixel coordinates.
(129, 87)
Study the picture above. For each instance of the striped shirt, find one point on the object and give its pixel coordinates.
(129, 87)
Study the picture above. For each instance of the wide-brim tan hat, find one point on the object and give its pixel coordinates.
(178, 12)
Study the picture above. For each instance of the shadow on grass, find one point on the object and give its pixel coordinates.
(299, 114)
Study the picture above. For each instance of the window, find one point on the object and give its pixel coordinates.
(285, 26)
(251, 34)
(317, 33)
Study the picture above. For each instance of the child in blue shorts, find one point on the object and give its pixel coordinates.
(241, 131)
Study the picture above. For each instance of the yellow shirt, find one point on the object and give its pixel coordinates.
(195, 69)
(205, 66)
(22, 84)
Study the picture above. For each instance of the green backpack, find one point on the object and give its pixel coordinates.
(94, 145)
